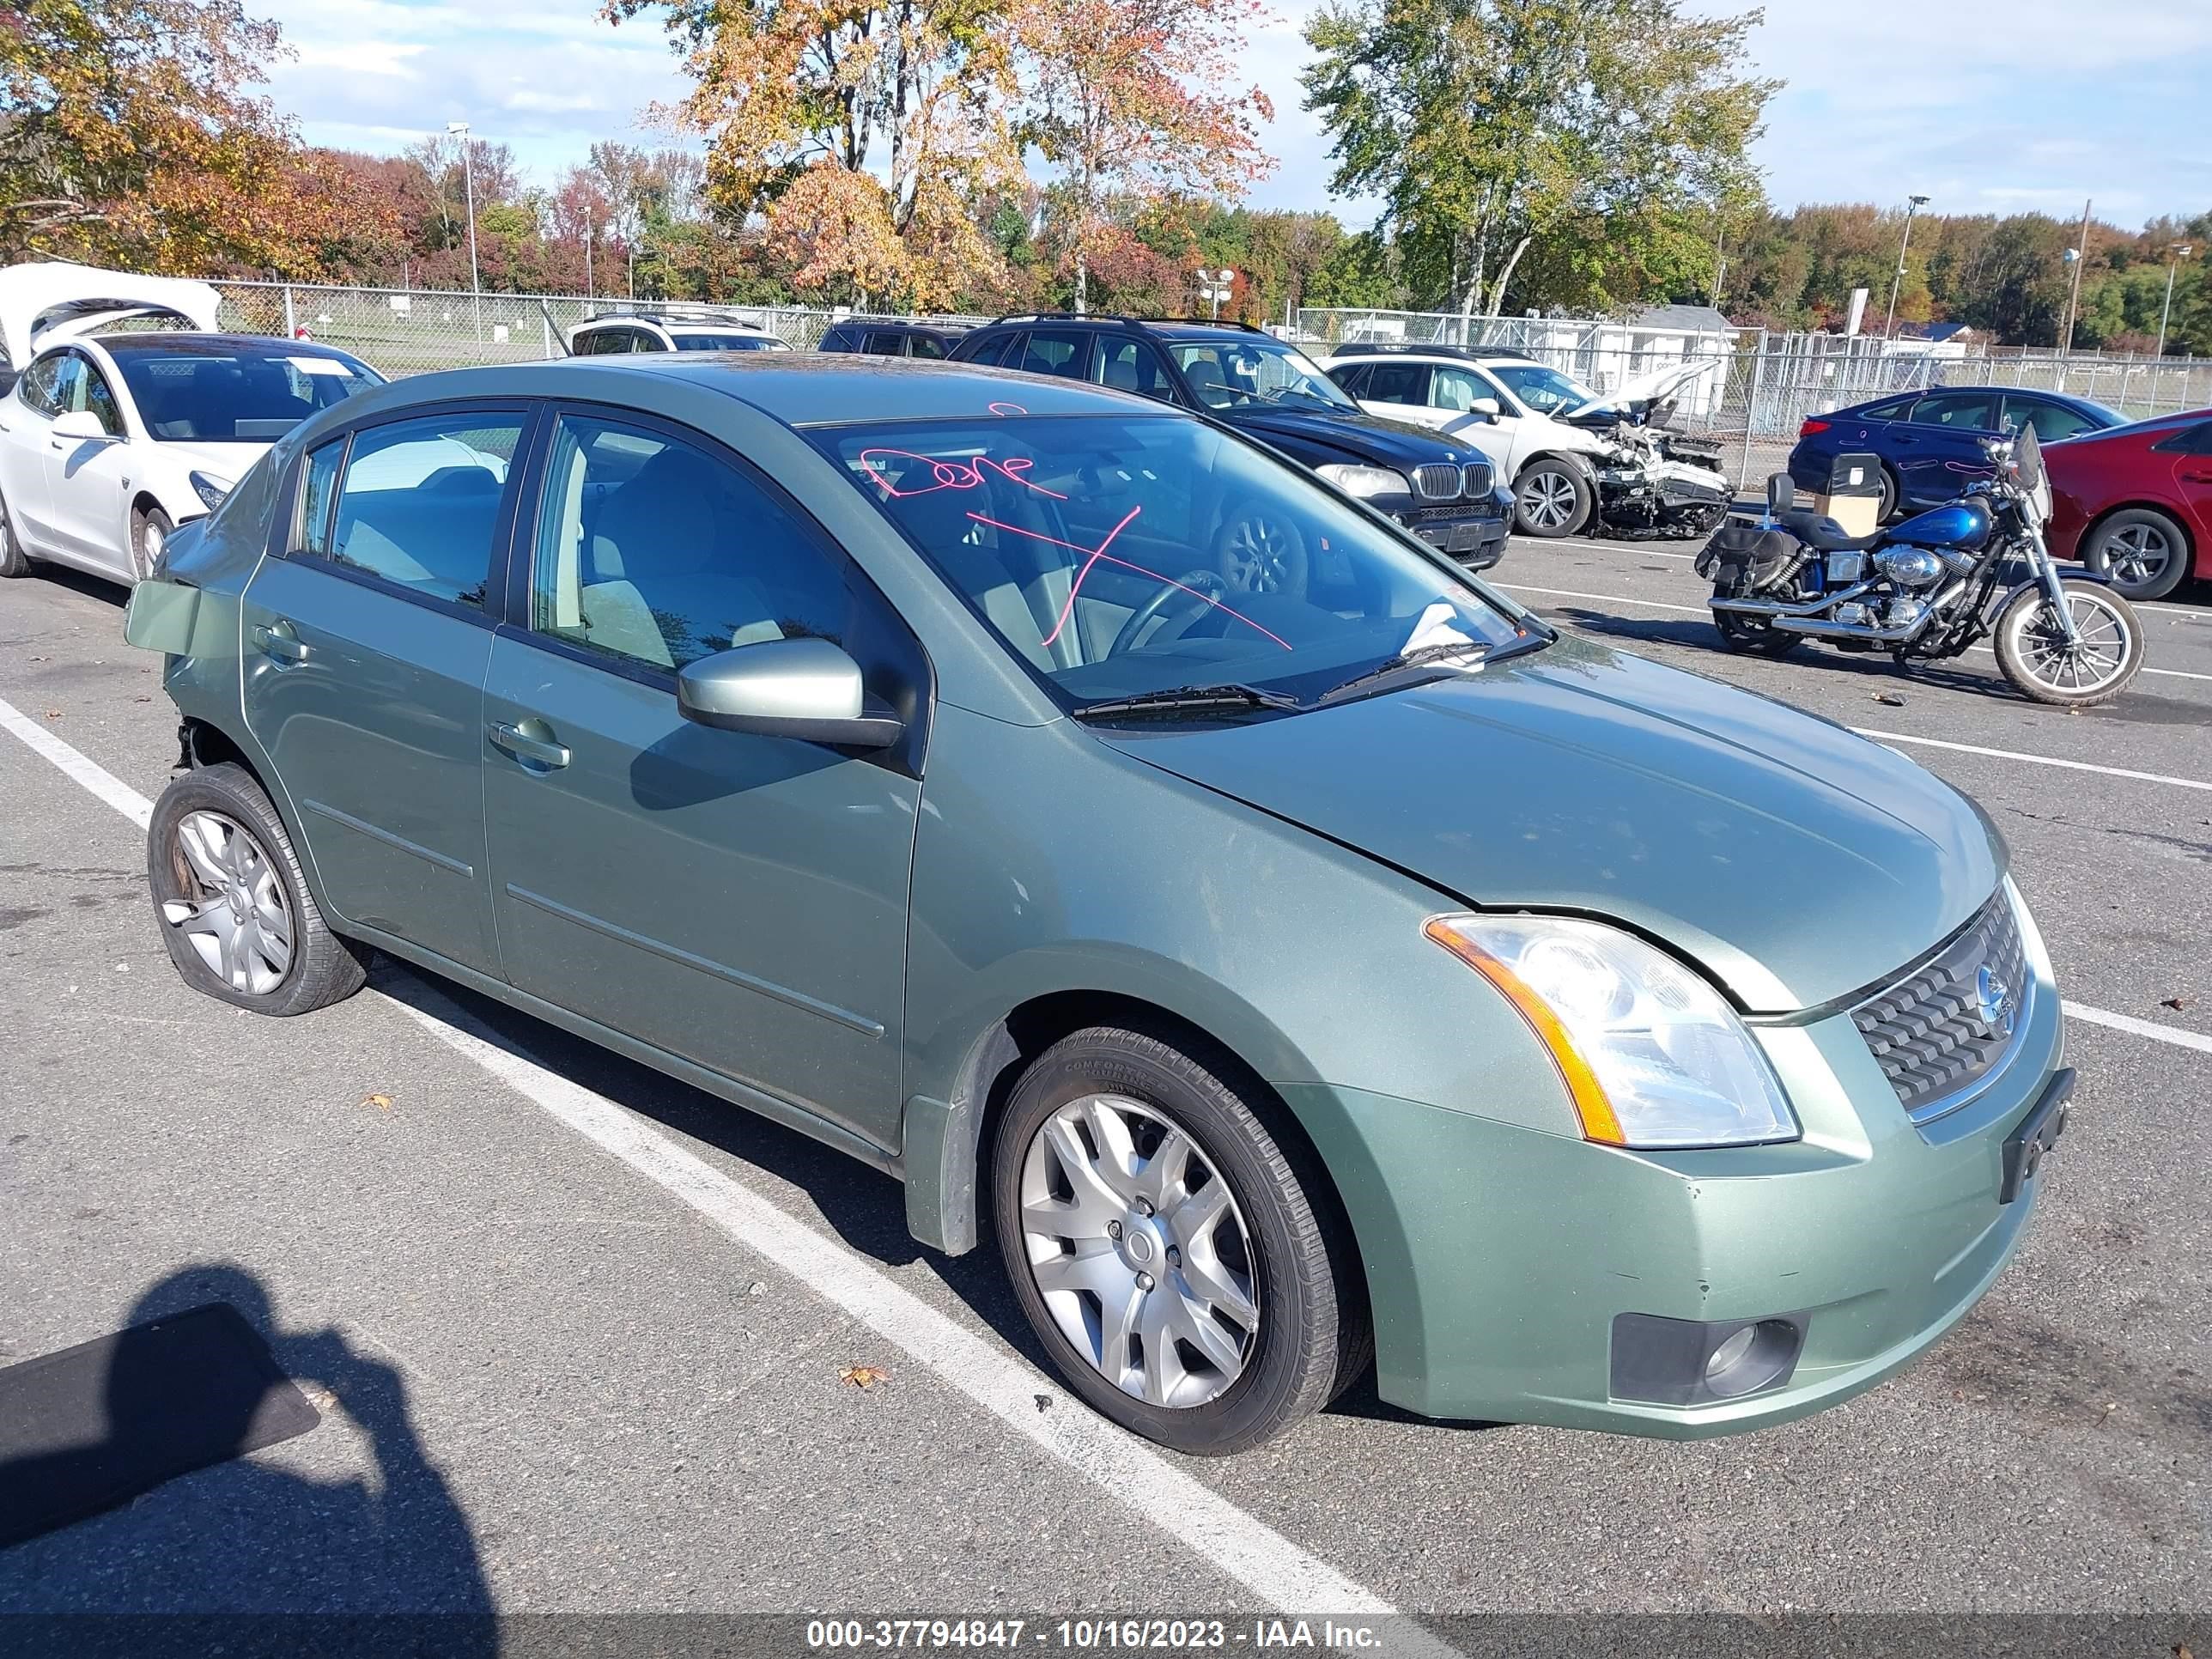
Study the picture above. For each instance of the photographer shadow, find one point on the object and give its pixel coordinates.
(244, 1555)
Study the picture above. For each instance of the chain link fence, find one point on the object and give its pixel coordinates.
(1760, 387)
(402, 331)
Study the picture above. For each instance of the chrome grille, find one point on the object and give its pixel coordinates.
(1439, 481)
(1929, 1031)
(1475, 478)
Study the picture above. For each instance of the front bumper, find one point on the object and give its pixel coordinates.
(1471, 533)
(1499, 1257)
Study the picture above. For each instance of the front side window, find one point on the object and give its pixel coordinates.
(419, 503)
(2052, 421)
(91, 393)
(1544, 389)
(1459, 389)
(728, 342)
(246, 394)
(1118, 554)
(1237, 374)
(654, 551)
(40, 387)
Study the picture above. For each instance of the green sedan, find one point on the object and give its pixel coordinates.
(1290, 969)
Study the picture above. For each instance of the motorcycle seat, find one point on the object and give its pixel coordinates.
(1823, 534)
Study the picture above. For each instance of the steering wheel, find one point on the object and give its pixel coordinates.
(1144, 614)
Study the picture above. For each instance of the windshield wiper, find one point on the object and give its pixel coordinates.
(1443, 651)
(1179, 699)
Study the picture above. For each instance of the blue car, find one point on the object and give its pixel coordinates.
(1930, 442)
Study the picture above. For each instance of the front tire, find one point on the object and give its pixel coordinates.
(1749, 637)
(149, 537)
(1184, 1279)
(2143, 551)
(1551, 498)
(236, 913)
(2032, 651)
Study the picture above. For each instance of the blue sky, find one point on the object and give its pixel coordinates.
(1986, 106)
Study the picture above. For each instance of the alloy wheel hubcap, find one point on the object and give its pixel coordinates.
(2139, 555)
(1140, 1251)
(1548, 499)
(2094, 657)
(234, 910)
(1258, 559)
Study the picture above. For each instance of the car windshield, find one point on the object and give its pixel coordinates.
(1119, 555)
(1230, 373)
(242, 395)
(1545, 390)
(732, 342)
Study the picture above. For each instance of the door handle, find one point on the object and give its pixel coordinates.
(277, 640)
(2196, 477)
(537, 748)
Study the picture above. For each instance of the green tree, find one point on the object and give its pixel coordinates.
(1594, 133)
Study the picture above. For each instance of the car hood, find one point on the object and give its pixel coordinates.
(1357, 434)
(1796, 861)
(1653, 388)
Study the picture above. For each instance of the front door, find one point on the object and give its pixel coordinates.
(88, 479)
(737, 901)
(366, 645)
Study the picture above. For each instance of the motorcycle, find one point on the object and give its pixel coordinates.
(1929, 587)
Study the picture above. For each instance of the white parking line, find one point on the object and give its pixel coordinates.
(2129, 1022)
(1277, 1572)
(2034, 760)
(1703, 610)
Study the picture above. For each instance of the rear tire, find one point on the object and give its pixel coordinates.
(2144, 551)
(1749, 638)
(2035, 660)
(13, 562)
(232, 902)
(1095, 1117)
(1551, 498)
(1891, 495)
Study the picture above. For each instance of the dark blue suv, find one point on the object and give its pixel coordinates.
(1930, 442)
(1244, 377)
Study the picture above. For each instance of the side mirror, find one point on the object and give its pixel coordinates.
(80, 426)
(1780, 492)
(804, 689)
(1485, 407)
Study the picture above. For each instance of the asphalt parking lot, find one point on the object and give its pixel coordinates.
(580, 1335)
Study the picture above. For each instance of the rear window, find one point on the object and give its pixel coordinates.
(242, 397)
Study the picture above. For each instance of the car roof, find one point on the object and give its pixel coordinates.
(176, 343)
(1448, 355)
(693, 325)
(799, 388)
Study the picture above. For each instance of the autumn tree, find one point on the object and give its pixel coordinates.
(831, 226)
(1134, 99)
(133, 135)
(1583, 127)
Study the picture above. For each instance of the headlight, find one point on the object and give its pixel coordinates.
(1651, 1054)
(209, 489)
(1367, 482)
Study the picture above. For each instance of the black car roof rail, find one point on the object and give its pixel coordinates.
(1408, 348)
(1118, 320)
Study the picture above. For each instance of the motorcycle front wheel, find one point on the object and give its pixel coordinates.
(2095, 667)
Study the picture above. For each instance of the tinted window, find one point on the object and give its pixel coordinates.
(2051, 420)
(995, 349)
(1963, 409)
(926, 345)
(888, 343)
(245, 395)
(1130, 365)
(1398, 383)
(1895, 409)
(1059, 532)
(1054, 351)
(2190, 441)
(419, 503)
(80, 389)
(39, 387)
(654, 551)
(728, 342)
(1352, 379)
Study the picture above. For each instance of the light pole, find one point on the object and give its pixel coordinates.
(2180, 251)
(460, 130)
(1913, 204)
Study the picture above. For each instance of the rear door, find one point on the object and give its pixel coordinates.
(26, 413)
(368, 636)
(1937, 451)
(1400, 391)
(2191, 453)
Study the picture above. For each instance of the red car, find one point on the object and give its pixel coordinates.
(2135, 503)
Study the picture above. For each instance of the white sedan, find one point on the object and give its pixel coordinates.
(107, 442)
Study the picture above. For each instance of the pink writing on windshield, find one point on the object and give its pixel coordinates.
(950, 475)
